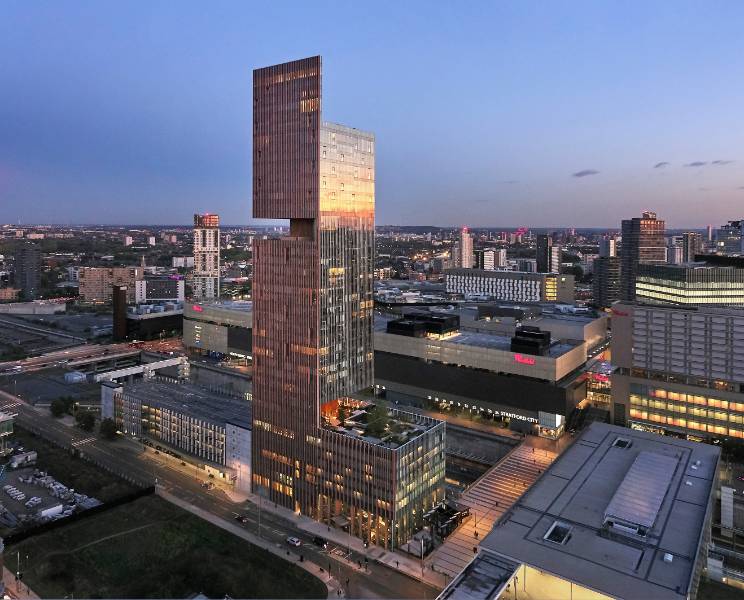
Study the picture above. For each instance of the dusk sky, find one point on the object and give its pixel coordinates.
(486, 113)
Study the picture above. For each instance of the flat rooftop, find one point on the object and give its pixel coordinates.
(194, 400)
(491, 341)
(622, 518)
(239, 305)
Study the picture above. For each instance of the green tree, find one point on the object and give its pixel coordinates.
(58, 408)
(108, 429)
(341, 414)
(377, 421)
(85, 420)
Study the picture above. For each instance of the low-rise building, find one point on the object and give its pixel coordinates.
(527, 378)
(221, 328)
(679, 370)
(691, 284)
(511, 286)
(620, 514)
(210, 426)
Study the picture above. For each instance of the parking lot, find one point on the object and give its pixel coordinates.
(41, 387)
(29, 496)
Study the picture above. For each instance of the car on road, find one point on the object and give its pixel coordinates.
(241, 518)
(293, 541)
(319, 541)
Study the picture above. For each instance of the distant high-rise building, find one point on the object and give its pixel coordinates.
(675, 254)
(151, 240)
(119, 298)
(606, 280)
(490, 259)
(548, 256)
(729, 239)
(28, 270)
(127, 240)
(709, 233)
(643, 242)
(206, 279)
(692, 244)
(96, 283)
(607, 247)
(466, 249)
(316, 449)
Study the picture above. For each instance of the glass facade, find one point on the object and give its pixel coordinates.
(313, 315)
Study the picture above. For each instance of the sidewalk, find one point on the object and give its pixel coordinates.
(331, 583)
(15, 589)
(400, 561)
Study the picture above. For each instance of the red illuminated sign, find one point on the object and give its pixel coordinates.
(524, 360)
(197, 308)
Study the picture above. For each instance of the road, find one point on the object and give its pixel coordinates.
(128, 456)
(59, 357)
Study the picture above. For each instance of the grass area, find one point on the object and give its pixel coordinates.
(74, 472)
(150, 548)
(713, 590)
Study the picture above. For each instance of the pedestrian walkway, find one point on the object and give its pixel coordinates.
(489, 498)
(334, 587)
(396, 560)
(16, 589)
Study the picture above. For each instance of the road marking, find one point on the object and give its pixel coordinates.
(84, 441)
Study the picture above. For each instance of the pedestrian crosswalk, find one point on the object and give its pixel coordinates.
(82, 442)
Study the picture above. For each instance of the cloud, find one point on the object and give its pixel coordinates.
(586, 173)
(722, 162)
(697, 163)
(740, 187)
(661, 165)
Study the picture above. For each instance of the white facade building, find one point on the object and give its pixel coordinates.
(206, 280)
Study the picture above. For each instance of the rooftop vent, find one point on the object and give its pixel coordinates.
(688, 482)
(668, 557)
(622, 443)
(559, 533)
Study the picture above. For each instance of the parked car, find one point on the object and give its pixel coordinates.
(293, 541)
(241, 518)
(319, 541)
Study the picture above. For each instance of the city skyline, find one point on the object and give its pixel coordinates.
(122, 117)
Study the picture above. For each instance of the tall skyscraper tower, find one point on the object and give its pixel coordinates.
(466, 249)
(27, 265)
(206, 280)
(692, 244)
(547, 255)
(643, 242)
(313, 318)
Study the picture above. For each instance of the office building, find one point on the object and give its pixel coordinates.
(692, 245)
(465, 250)
(222, 329)
(679, 370)
(206, 277)
(548, 256)
(519, 374)
(691, 284)
(96, 283)
(606, 280)
(185, 417)
(643, 242)
(27, 270)
(729, 239)
(526, 265)
(620, 514)
(127, 240)
(512, 286)
(9, 294)
(490, 259)
(159, 289)
(313, 316)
